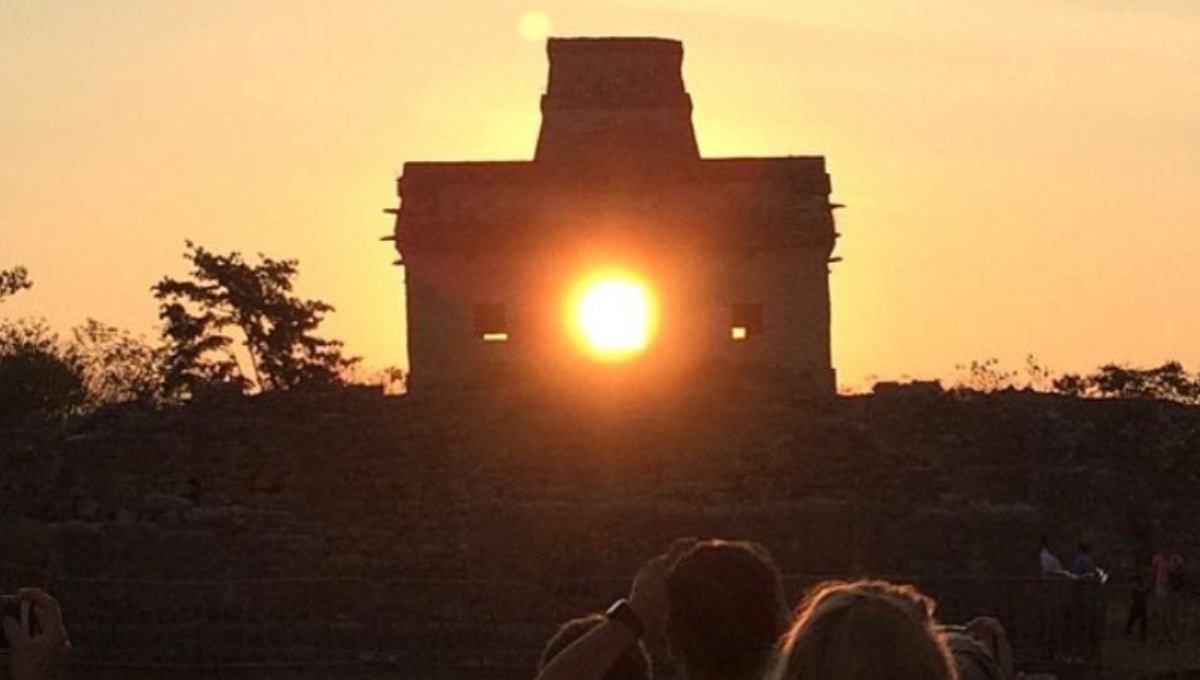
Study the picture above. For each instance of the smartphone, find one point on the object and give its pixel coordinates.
(11, 606)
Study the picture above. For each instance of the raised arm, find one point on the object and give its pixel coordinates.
(594, 653)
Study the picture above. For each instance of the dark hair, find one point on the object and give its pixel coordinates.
(634, 664)
(726, 610)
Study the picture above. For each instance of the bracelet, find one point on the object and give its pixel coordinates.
(623, 613)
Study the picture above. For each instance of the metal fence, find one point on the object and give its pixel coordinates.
(446, 628)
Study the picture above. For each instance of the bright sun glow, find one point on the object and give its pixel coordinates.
(614, 316)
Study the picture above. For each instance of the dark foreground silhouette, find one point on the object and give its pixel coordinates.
(720, 609)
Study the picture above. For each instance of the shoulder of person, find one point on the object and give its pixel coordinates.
(972, 660)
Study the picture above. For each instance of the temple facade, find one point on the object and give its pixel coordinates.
(735, 250)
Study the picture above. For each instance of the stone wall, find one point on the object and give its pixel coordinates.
(511, 485)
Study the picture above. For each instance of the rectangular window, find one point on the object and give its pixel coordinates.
(491, 323)
(746, 321)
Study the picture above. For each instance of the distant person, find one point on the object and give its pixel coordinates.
(726, 607)
(1168, 589)
(1084, 566)
(633, 664)
(867, 630)
(1049, 563)
(1139, 595)
(36, 637)
(1084, 622)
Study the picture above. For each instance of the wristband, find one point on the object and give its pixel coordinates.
(623, 613)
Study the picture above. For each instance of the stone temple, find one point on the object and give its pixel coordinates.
(736, 251)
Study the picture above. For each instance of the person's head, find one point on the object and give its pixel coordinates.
(634, 664)
(726, 610)
(868, 630)
(1083, 547)
(1045, 543)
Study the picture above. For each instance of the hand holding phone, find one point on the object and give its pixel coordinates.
(33, 629)
(16, 608)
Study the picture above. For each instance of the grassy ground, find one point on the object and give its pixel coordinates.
(1128, 658)
(1125, 657)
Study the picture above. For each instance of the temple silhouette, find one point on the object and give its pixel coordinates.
(736, 250)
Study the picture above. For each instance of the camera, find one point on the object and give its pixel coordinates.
(10, 606)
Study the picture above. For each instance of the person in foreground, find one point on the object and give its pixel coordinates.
(37, 638)
(719, 604)
(866, 630)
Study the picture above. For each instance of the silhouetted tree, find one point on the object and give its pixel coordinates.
(225, 292)
(1168, 381)
(985, 376)
(118, 366)
(197, 355)
(1038, 376)
(1071, 384)
(39, 378)
(13, 281)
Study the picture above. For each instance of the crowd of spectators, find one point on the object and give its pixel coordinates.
(1156, 588)
(718, 608)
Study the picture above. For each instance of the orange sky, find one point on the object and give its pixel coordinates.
(1021, 176)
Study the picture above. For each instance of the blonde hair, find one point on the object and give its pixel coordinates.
(866, 630)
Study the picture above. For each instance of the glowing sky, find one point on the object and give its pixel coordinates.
(1022, 176)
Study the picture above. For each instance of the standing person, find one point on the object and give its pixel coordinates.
(1139, 594)
(719, 603)
(1168, 584)
(1084, 566)
(1049, 563)
(1085, 613)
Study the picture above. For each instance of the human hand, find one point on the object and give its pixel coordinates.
(648, 597)
(990, 633)
(39, 640)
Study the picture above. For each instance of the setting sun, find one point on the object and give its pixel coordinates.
(614, 316)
